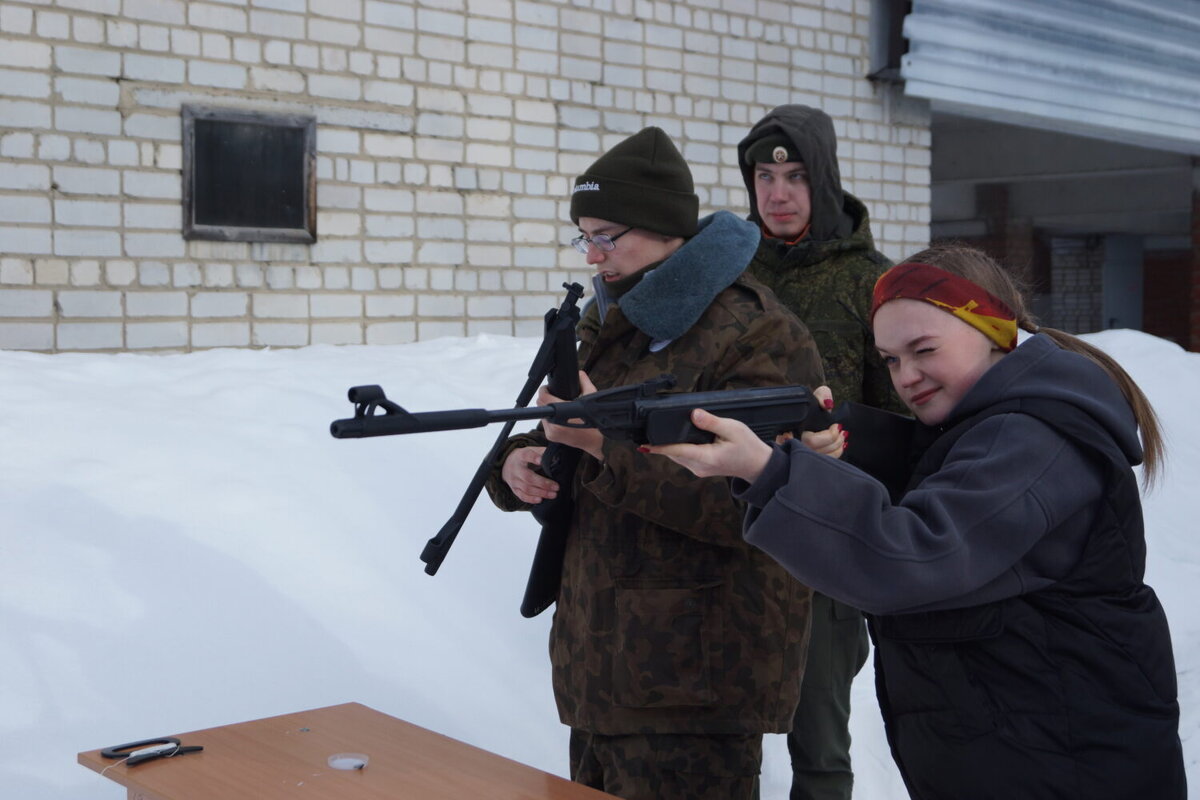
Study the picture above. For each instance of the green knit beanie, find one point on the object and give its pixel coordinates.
(642, 182)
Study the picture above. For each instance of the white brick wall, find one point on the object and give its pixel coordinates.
(448, 133)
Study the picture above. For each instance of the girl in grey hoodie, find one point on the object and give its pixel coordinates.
(1018, 651)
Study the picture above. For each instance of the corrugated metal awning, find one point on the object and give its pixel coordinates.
(1123, 70)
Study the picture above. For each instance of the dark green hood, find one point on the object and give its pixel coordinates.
(811, 131)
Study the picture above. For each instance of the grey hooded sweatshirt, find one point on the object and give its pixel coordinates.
(975, 531)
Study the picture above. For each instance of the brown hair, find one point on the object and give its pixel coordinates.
(979, 268)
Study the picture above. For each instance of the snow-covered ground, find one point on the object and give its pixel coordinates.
(183, 545)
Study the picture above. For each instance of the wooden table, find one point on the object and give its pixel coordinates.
(287, 757)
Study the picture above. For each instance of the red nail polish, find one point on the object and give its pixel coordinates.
(643, 449)
(829, 403)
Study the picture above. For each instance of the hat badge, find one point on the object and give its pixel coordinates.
(779, 154)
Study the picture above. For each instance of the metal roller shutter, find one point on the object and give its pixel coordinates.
(1122, 70)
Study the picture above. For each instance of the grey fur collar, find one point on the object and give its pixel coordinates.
(671, 298)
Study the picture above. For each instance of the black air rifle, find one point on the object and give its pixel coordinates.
(645, 413)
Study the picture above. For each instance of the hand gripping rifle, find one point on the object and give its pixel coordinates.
(642, 413)
(556, 357)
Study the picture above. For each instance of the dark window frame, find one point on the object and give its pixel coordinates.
(193, 229)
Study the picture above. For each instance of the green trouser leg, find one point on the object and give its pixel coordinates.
(820, 739)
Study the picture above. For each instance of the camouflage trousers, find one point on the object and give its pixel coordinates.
(667, 766)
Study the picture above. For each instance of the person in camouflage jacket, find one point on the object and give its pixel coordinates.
(817, 254)
(674, 644)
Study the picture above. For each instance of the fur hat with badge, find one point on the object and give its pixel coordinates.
(643, 182)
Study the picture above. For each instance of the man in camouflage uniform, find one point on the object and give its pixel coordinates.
(674, 644)
(816, 253)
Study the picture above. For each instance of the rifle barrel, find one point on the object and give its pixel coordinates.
(428, 421)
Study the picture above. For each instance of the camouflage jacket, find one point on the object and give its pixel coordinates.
(828, 285)
(666, 620)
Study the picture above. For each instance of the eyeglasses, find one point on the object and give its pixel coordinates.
(602, 240)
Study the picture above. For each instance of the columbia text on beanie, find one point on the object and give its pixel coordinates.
(643, 182)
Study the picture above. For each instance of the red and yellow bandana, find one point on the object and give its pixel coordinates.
(955, 295)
